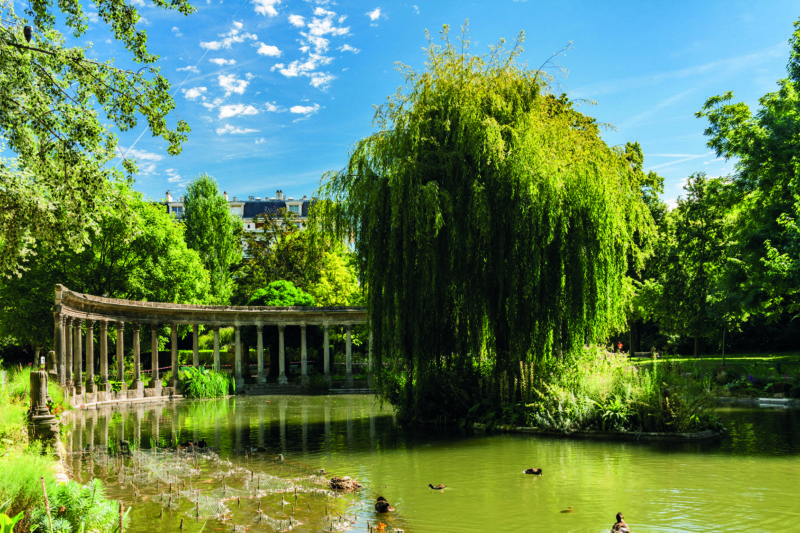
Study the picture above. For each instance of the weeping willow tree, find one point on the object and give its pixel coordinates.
(492, 224)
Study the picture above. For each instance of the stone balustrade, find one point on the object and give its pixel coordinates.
(73, 311)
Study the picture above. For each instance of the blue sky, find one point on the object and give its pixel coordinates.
(278, 91)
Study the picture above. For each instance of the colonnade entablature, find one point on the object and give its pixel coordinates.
(76, 313)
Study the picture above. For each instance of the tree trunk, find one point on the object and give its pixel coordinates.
(696, 345)
(724, 331)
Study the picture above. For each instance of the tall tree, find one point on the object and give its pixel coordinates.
(214, 232)
(135, 252)
(765, 144)
(55, 106)
(695, 266)
(491, 222)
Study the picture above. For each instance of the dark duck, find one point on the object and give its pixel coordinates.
(621, 526)
(382, 506)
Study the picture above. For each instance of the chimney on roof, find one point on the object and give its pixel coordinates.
(305, 197)
(180, 198)
(251, 198)
(279, 194)
(169, 197)
(225, 194)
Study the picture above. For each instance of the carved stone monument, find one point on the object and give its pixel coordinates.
(42, 424)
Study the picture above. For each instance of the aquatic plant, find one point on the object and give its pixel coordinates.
(202, 383)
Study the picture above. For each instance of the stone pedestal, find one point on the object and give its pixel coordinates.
(42, 424)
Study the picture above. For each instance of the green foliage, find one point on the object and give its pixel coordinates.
(491, 223)
(337, 284)
(56, 111)
(202, 383)
(85, 509)
(21, 471)
(135, 252)
(214, 232)
(7, 523)
(764, 144)
(693, 298)
(281, 294)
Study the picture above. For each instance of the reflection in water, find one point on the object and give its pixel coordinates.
(744, 480)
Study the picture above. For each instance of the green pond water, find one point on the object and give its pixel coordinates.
(746, 480)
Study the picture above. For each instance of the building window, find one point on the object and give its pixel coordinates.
(177, 211)
(236, 211)
(294, 209)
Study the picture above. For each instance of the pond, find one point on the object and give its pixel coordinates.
(745, 480)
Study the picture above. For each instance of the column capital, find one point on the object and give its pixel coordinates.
(120, 325)
(135, 326)
(103, 325)
(89, 322)
(259, 327)
(76, 321)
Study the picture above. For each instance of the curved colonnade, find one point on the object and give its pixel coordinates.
(73, 311)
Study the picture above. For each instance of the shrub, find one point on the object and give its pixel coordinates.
(85, 508)
(202, 383)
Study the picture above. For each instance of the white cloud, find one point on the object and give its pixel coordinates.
(375, 14)
(322, 80)
(231, 84)
(222, 62)
(314, 44)
(304, 110)
(272, 107)
(236, 35)
(174, 177)
(194, 93)
(177, 31)
(234, 130)
(235, 110)
(138, 3)
(348, 48)
(266, 7)
(261, 140)
(416, 9)
(268, 50)
(213, 104)
(683, 158)
(189, 68)
(93, 17)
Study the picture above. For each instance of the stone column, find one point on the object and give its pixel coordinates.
(260, 333)
(237, 363)
(349, 377)
(137, 384)
(58, 347)
(77, 357)
(304, 380)
(326, 353)
(155, 383)
(121, 356)
(90, 385)
(105, 386)
(68, 351)
(216, 348)
(195, 346)
(173, 341)
(282, 380)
